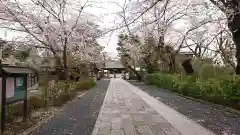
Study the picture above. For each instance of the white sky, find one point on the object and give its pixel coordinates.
(108, 11)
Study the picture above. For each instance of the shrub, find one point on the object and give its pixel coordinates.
(63, 98)
(72, 87)
(14, 111)
(211, 91)
(35, 103)
(195, 89)
(219, 90)
(85, 84)
(234, 93)
(58, 96)
(61, 86)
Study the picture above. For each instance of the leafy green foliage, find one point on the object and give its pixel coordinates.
(63, 92)
(35, 103)
(66, 96)
(220, 90)
(204, 68)
(62, 86)
(85, 84)
(63, 98)
(16, 110)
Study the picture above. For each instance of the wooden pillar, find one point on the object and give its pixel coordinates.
(31, 80)
(3, 105)
(37, 75)
(34, 81)
(25, 109)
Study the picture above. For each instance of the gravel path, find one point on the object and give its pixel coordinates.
(218, 120)
(79, 117)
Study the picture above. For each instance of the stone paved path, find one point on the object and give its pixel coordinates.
(129, 111)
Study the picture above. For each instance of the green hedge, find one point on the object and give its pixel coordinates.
(85, 84)
(225, 91)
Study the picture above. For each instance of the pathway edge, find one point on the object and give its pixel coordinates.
(95, 130)
(183, 124)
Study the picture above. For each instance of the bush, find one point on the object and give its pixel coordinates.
(219, 90)
(14, 111)
(35, 103)
(66, 92)
(233, 93)
(62, 86)
(85, 84)
(58, 97)
(63, 98)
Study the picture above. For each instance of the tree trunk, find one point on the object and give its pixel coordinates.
(58, 68)
(65, 65)
(158, 50)
(234, 26)
(137, 74)
(149, 66)
(172, 63)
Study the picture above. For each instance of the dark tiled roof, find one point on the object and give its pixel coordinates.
(114, 64)
(16, 70)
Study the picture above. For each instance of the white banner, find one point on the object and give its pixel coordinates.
(10, 87)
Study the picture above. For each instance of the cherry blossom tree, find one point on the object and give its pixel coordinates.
(231, 8)
(56, 26)
(207, 31)
(161, 20)
(129, 52)
(155, 17)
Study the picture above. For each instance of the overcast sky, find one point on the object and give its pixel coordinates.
(107, 11)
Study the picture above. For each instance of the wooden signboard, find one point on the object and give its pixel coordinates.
(13, 88)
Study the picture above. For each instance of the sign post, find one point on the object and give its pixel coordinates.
(3, 105)
(25, 98)
(14, 89)
(3, 87)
